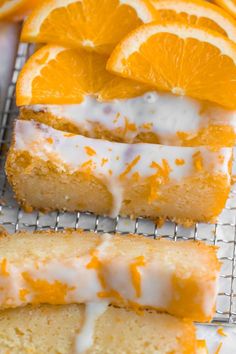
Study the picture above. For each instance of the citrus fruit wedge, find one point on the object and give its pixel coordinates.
(183, 59)
(228, 5)
(97, 25)
(198, 12)
(16, 9)
(57, 75)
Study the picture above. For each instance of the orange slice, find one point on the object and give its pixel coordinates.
(183, 59)
(57, 75)
(198, 12)
(16, 9)
(228, 5)
(96, 25)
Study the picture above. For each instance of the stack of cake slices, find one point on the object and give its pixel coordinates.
(78, 292)
(128, 109)
(132, 98)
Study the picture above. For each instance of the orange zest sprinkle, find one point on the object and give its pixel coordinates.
(110, 172)
(4, 271)
(130, 166)
(147, 126)
(68, 135)
(116, 118)
(89, 151)
(104, 161)
(23, 293)
(87, 164)
(218, 348)
(45, 292)
(179, 162)
(163, 170)
(135, 274)
(161, 175)
(96, 264)
(198, 161)
(110, 294)
(221, 332)
(129, 126)
(49, 140)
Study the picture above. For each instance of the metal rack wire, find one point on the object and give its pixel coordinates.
(222, 234)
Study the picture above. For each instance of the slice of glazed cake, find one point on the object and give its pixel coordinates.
(59, 329)
(158, 118)
(53, 170)
(135, 272)
(108, 107)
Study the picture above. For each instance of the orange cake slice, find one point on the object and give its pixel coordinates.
(95, 25)
(59, 329)
(16, 9)
(157, 118)
(50, 170)
(102, 105)
(128, 271)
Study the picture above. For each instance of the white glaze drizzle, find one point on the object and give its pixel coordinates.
(105, 243)
(85, 338)
(69, 152)
(163, 114)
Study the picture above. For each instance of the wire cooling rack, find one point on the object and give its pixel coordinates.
(222, 234)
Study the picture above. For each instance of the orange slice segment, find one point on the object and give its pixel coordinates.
(198, 12)
(57, 75)
(228, 5)
(95, 25)
(16, 9)
(183, 59)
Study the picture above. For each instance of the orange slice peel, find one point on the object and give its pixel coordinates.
(16, 10)
(228, 5)
(198, 12)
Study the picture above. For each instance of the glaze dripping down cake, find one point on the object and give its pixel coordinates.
(158, 118)
(132, 272)
(109, 107)
(50, 169)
